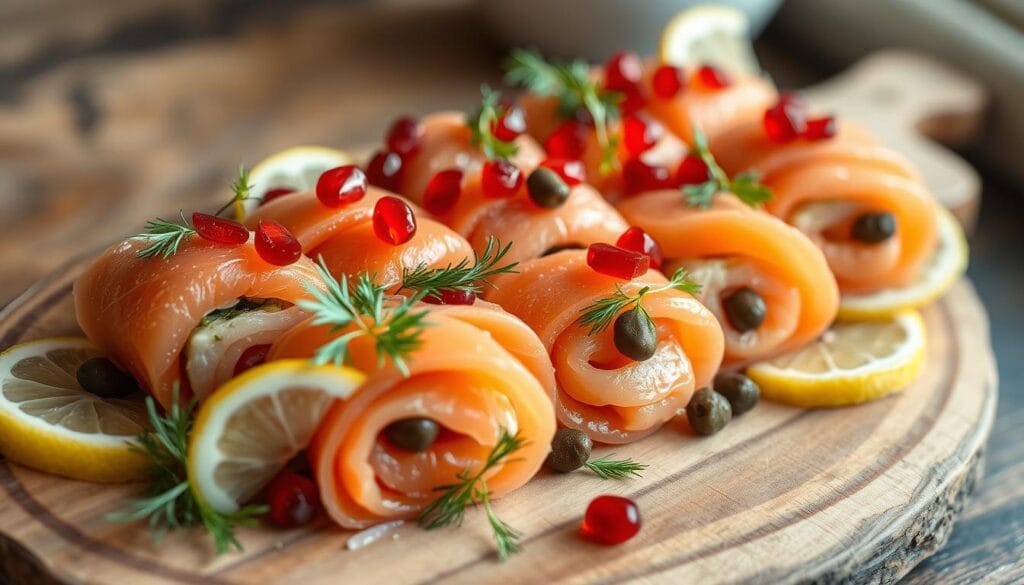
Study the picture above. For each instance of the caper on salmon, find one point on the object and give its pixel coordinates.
(570, 449)
(873, 228)
(635, 336)
(415, 434)
(741, 392)
(546, 188)
(745, 309)
(708, 412)
(103, 378)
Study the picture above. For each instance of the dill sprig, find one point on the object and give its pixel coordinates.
(450, 508)
(241, 188)
(608, 468)
(745, 185)
(395, 329)
(572, 85)
(462, 276)
(599, 314)
(165, 236)
(171, 503)
(482, 122)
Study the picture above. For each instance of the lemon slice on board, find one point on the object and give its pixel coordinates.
(946, 265)
(709, 34)
(293, 168)
(849, 364)
(50, 423)
(249, 428)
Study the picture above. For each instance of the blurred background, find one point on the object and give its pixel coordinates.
(113, 111)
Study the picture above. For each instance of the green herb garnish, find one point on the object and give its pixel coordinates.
(608, 468)
(244, 305)
(745, 185)
(241, 189)
(481, 124)
(165, 237)
(599, 314)
(462, 276)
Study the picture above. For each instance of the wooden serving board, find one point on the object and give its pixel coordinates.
(856, 494)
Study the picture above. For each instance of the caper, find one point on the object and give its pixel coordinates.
(873, 228)
(745, 309)
(103, 378)
(570, 449)
(560, 248)
(546, 188)
(414, 434)
(708, 412)
(635, 337)
(741, 392)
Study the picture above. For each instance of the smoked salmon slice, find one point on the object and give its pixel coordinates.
(730, 246)
(478, 373)
(599, 391)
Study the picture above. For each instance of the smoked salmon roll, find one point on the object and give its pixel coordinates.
(498, 382)
(193, 319)
(766, 282)
(600, 391)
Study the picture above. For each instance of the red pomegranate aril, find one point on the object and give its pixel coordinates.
(218, 229)
(820, 128)
(632, 102)
(614, 261)
(623, 72)
(443, 191)
(501, 179)
(786, 120)
(452, 297)
(667, 81)
(567, 141)
(573, 172)
(275, 244)
(638, 176)
(509, 125)
(640, 134)
(611, 520)
(393, 221)
(713, 78)
(385, 170)
(692, 171)
(293, 499)
(637, 240)
(274, 193)
(252, 357)
(404, 136)
(341, 186)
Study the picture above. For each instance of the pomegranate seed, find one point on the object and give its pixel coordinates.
(452, 297)
(567, 141)
(274, 193)
(509, 125)
(252, 357)
(638, 240)
(275, 244)
(820, 128)
(668, 81)
(623, 72)
(393, 221)
(293, 499)
(632, 102)
(638, 176)
(501, 179)
(341, 186)
(443, 191)
(404, 136)
(614, 261)
(712, 77)
(218, 229)
(692, 171)
(611, 520)
(385, 170)
(786, 120)
(640, 134)
(573, 172)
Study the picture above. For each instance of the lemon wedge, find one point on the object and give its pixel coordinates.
(709, 35)
(50, 423)
(250, 427)
(293, 168)
(849, 364)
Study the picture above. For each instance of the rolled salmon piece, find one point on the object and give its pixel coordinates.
(196, 318)
(730, 247)
(608, 396)
(344, 236)
(479, 373)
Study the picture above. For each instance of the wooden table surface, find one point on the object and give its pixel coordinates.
(111, 110)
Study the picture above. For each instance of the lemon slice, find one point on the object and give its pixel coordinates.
(295, 168)
(941, 271)
(49, 422)
(252, 426)
(709, 35)
(849, 364)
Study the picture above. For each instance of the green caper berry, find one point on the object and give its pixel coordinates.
(745, 309)
(570, 449)
(873, 228)
(103, 378)
(741, 392)
(708, 412)
(635, 336)
(414, 434)
(546, 188)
